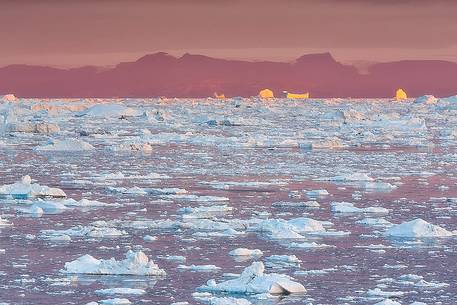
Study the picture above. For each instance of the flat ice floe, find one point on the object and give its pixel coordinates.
(246, 252)
(4, 222)
(135, 263)
(98, 229)
(228, 301)
(348, 207)
(115, 301)
(134, 291)
(253, 280)
(65, 145)
(26, 189)
(288, 229)
(352, 177)
(417, 228)
(33, 127)
(204, 211)
(199, 268)
(110, 110)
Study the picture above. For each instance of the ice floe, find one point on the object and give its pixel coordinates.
(246, 252)
(253, 280)
(135, 263)
(26, 189)
(65, 145)
(111, 110)
(417, 228)
(348, 207)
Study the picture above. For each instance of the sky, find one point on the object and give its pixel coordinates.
(69, 33)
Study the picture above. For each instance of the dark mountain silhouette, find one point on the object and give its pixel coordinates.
(161, 74)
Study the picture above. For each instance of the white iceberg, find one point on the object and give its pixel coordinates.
(353, 177)
(388, 302)
(115, 301)
(135, 263)
(26, 189)
(204, 211)
(8, 98)
(347, 207)
(98, 229)
(417, 228)
(65, 145)
(4, 222)
(110, 110)
(288, 229)
(245, 252)
(134, 291)
(426, 99)
(199, 268)
(33, 127)
(253, 280)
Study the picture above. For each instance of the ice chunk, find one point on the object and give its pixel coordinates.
(353, 177)
(426, 99)
(97, 230)
(417, 228)
(8, 98)
(141, 147)
(65, 145)
(110, 110)
(253, 280)
(33, 127)
(328, 143)
(317, 193)
(228, 301)
(115, 301)
(291, 229)
(204, 211)
(4, 222)
(388, 302)
(87, 203)
(378, 186)
(135, 263)
(121, 291)
(199, 268)
(26, 189)
(245, 252)
(279, 261)
(347, 207)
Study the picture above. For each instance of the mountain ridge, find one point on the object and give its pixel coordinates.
(194, 75)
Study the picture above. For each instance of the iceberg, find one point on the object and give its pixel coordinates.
(254, 280)
(417, 228)
(65, 145)
(110, 110)
(245, 252)
(135, 263)
(26, 189)
(347, 207)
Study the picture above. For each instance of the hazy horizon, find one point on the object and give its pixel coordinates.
(70, 34)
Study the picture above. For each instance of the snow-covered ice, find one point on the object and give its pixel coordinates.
(253, 280)
(135, 263)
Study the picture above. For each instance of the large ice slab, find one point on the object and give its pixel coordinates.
(26, 189)
(135, 263)
(417, 228)
(254, 280)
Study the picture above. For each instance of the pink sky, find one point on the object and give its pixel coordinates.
(102, 32)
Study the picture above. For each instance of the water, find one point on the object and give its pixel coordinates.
(29, 268)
